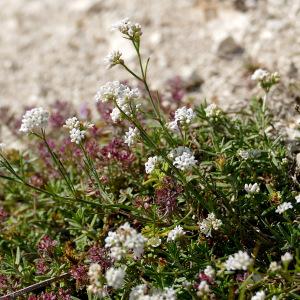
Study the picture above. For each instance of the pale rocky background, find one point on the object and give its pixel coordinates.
(54, 49)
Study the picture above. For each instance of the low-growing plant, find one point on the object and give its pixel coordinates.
(153, 201)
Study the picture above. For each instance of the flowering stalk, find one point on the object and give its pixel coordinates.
(92, 172)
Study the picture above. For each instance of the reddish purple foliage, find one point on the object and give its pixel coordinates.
(166, 197)
(46, 245)
(79, 273)
(41, 266)
(99, 255)
(3, 282)
(60, 111)
(3, 214)
(118, 150)
(206, 278)
(176, 88)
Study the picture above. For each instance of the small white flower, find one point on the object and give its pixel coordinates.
(212, 110)
(72, 123)
(173, 126)
(131, 136)
(36, 118)
(238, 261)
(142, 292)
(209, 224)
(203, 289)
(274, 266)
(128, 28)
(175, 233)
(244, 154)
(259, 296)
(287, 257)
(77, 135)
(297, 198)
(151, 164)
(284, 207)
(184, 115)
(2, 146)
(115, 277)
(183, 158)
(113, 58)
(210, 272)
(96, 287)
(123, 241)
(252, 188)
(260, 75)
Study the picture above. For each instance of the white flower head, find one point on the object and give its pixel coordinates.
(96, 287)
(72, 123)
(260, 295)
(123, 241)
(238, 261)
(183, 158)
(203, 289)
(115, 277)
(209, 224)
(131, 136)
(184, 115)
(274, 266)
(210, 272)
(77, 129)
(297, 198)
(77, 135)
(212, 110)
(252, 188)
(260, 75)
(284, 207)
(119, 94)
(287, 257)
(142, 292)
(36, 118)
(175, 233)
(126, 27)
(113, 58)
(151, 164)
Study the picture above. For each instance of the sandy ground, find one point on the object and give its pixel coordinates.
(54, 49)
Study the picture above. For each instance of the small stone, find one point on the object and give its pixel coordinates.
(228, 48)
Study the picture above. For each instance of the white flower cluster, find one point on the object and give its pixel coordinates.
(283, 207)
(297, 198)
(121, 95)
(33, 119)
(252, 188)
(183, 158)
(261, 295)
(123, 241)
(141, 292)
(238, 261)
(274, 266)
(203, 289)
(126, 27)
(260, 75)
(96, 286)
(115, 277)
(76, 129)
(209, 224)
(175, 233)
(131, 136)
(210, 272)
(151, 163)
(212, 110)
(183, 117)
(246, 154)
(287, 257)
(113, 58)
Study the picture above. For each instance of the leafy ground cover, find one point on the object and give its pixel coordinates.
(154, 200)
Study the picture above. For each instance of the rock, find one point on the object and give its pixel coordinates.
(228, 48)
